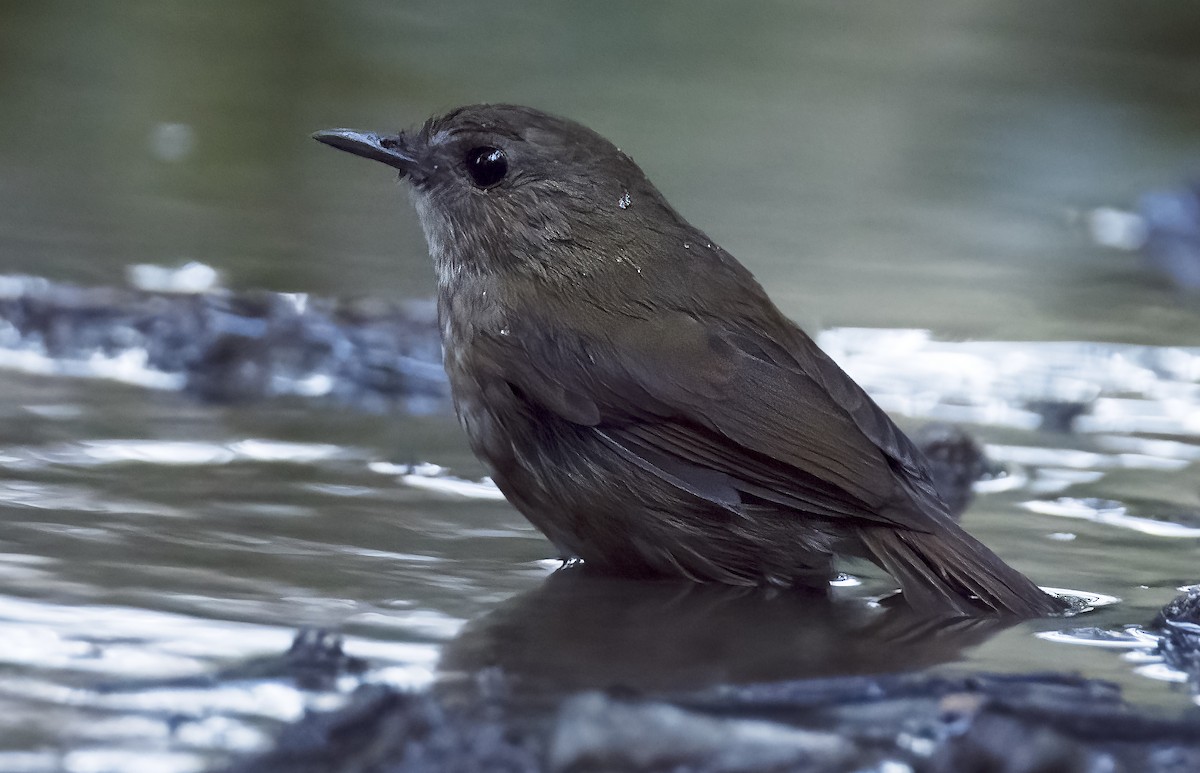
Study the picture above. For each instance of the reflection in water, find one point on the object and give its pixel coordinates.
(578, 631)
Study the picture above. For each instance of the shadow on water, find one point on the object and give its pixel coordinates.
(578, 630)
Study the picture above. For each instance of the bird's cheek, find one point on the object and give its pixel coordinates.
(432, 224)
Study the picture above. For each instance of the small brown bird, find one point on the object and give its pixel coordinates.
(638, 396)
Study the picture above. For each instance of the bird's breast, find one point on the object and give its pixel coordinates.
(469, 317)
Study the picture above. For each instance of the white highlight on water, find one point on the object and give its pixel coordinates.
(1110, 514)
(192, 278)
(432, 477)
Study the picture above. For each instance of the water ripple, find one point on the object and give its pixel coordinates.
(1111, 513)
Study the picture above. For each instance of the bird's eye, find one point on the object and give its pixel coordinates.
(487, 166)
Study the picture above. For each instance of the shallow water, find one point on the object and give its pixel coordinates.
(878, 166)
(148, 539)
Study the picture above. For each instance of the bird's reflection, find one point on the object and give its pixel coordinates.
(578, 630)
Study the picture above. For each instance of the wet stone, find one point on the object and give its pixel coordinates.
(956, 462)
(382, 729)
(1184, 608)
(316, 659)
(1179, 646)
(236, 347)
(594, 733)
(941, 724)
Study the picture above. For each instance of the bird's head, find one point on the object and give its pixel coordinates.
(507, 187)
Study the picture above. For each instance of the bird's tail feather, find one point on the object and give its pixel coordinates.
(951, 572)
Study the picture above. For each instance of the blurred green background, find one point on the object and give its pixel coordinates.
(876, 163)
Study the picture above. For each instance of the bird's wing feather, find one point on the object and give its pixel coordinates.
(900, 451)
(725, 412)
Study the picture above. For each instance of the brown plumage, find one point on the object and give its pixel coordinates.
(637, 395)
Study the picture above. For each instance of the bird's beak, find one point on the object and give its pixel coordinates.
(390, 149)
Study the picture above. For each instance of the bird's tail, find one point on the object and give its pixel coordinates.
(951, 572)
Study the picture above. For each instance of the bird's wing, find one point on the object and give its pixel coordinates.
(728, 413)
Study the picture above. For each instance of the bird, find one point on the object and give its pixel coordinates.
(635, 393)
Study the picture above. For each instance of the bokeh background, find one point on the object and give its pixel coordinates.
(877, 163)
(881, 164)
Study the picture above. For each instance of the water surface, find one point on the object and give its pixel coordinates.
(891, 166)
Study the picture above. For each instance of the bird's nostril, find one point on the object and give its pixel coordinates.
(389, 143)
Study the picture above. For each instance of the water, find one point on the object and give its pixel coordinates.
(891, 166)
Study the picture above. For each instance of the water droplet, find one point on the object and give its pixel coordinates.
(625, 200)
(687, 245)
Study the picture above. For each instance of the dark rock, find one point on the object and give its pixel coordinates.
(996, 743)
(1058, 415)
(1179, 645)
(386, 731)
(595, 733)
(956, 462)
(1184, 608)
(231, 347)
(941, 724)
(316, 659)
